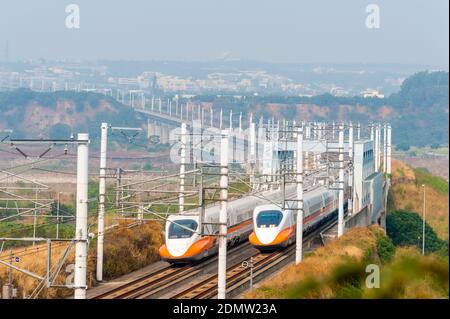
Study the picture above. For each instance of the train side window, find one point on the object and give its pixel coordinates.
(314, 205)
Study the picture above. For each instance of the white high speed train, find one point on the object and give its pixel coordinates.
(275, 228)
(184, 244)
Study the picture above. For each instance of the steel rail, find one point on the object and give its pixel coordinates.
(237, 275)
(154, 282)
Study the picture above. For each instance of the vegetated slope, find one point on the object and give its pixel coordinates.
(34, 259)
(407, 194)
(130, 249)
(437, 165)
(126, 249)
(58, 114)
(338, 270)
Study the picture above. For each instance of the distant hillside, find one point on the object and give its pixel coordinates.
(418, 112)
(58, 114)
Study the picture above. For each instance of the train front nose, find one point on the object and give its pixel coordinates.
(177, 247)
(266, 236)
(266, 229)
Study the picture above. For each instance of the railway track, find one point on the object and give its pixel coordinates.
(208, 287)
(168, 277)
(238, 275)
(160, 280)
(147, 283)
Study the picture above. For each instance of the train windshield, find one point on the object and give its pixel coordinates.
(269, 218)
(181, 228)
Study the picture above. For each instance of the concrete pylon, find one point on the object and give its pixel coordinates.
(158, 130)
(164, 134)
(150, 129)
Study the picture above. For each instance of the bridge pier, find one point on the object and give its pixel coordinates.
(150, 129)
(164, 134)
(158, 130)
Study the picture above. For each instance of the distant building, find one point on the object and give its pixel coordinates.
(127, 81)
(338, 91)
(372, 93)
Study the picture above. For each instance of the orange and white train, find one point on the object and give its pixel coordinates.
(275, 228)
(185, 244)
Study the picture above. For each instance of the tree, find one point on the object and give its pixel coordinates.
(435, 146)
(402, 146)
(405, 229)
(60, 131)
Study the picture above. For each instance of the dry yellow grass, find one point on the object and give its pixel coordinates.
(354, 245)
(409, 196)
(129, 249)
(35, 262)
(411, 275)
(126, 249)
(408, 275)
(338, 270)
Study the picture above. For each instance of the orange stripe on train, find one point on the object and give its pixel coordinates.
(284, 235)
(239, 226)
(195, 249)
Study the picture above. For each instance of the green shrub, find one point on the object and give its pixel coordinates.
(129, 249)
(60, 131)
(405, 229)
(385, 248)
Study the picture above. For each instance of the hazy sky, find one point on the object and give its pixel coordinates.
(411, 31)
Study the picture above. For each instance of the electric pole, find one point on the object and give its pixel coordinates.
(101, 200)
(389, 149)
(223, 217)
(299, 179)
(57, 215)
(350, 173)
(423, 222)
(341, 182)
(81, 228)
(182, 166)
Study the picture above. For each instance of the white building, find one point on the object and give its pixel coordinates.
(368, 184)
(372, 93)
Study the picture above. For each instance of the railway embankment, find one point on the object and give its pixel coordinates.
(363, 263)
(407, 194)
(127, 249)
